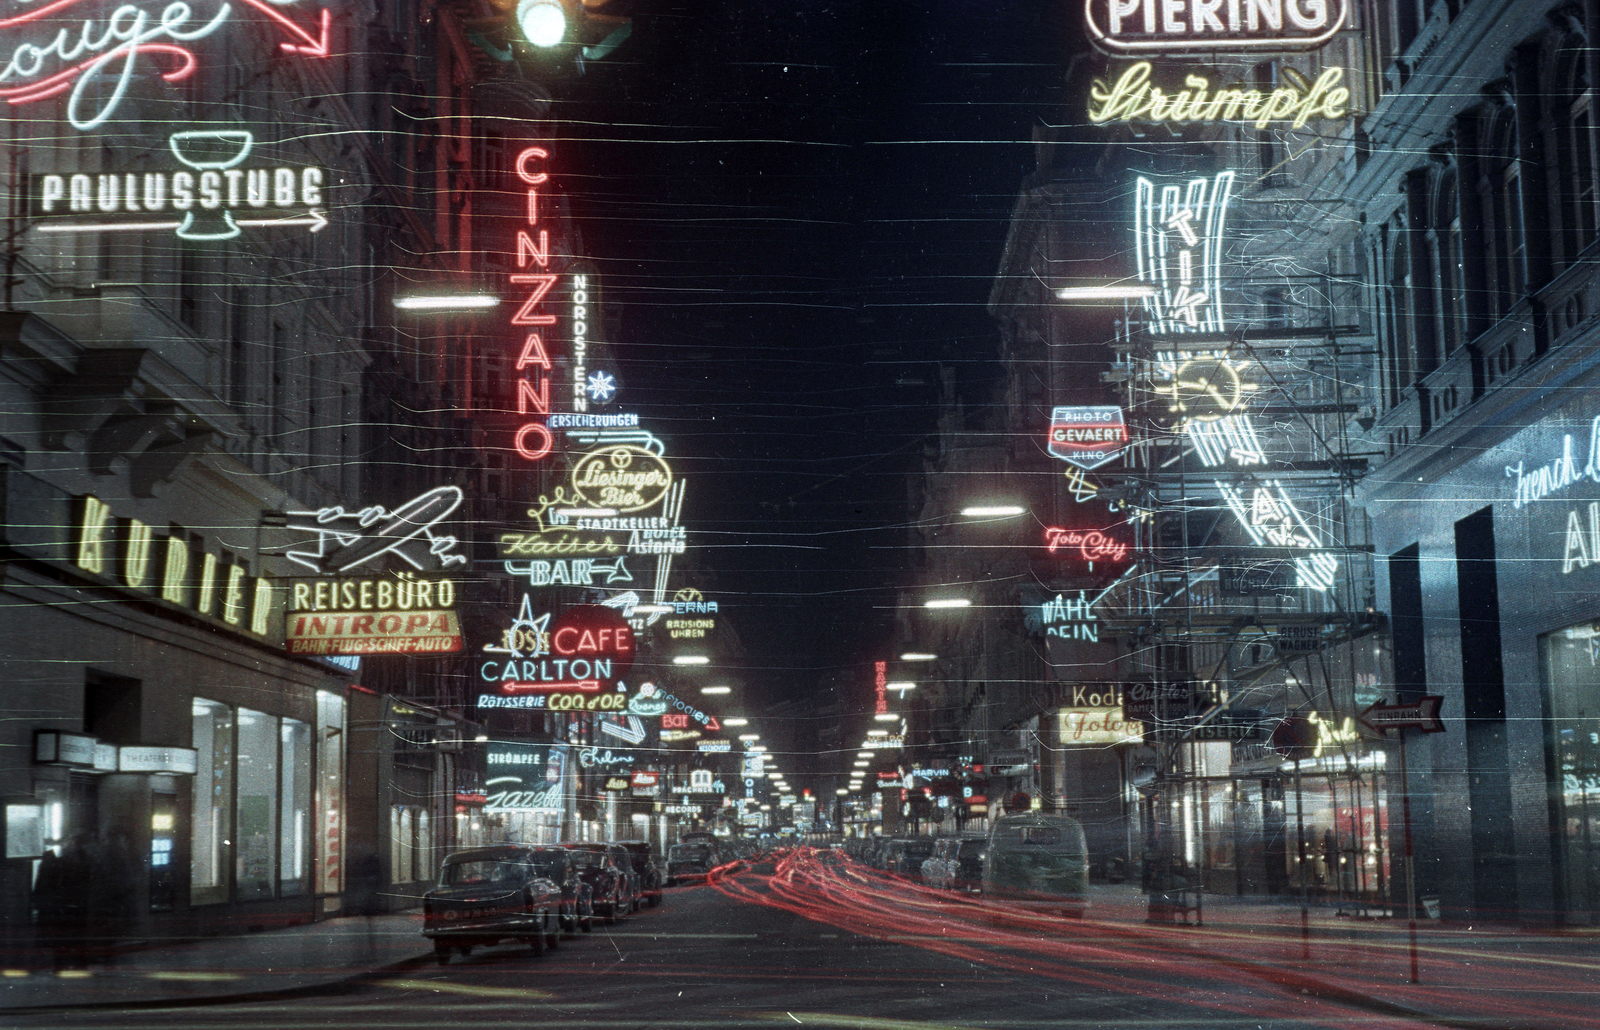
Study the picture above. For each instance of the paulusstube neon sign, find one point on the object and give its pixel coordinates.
(1133, 97)
(1188, 26)
(92, 50)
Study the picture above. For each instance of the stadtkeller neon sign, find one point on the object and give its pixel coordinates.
(1188, 26)
(1134, 98)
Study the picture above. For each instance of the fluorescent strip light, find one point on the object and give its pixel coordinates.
(992, 510)
(901, 685)
(1129, 292)
(886, 717)
(913, 656)
(735, 721)
(716, 690)
(749, 736)
(691, 659)
(947, 602)
(458, 302)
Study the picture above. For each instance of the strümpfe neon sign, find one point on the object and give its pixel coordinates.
(47, 58)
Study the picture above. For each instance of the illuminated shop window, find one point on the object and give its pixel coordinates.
(1571, 659)
(211, 841)
(329, 800)
(256, 806)
(294, 808)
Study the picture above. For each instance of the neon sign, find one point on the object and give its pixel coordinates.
(1097, 726)
(582, 280)
(1178, 233)
(1134, 98)
(582, 572)
(532, 438)
(350, 539)
(1271, 519)
(1187, 26)
(880, 685)
(1087, 437)
(623, 478)
(97, 63)
(1091, 545)
(1070, 618)
(398, 615)
(210, 200)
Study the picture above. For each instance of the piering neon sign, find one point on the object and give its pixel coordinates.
(532, 439)
(1187, 26)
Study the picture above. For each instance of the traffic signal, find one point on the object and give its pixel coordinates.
(590, 28)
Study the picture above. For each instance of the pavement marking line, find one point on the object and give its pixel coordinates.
(446, 987)
(878, 1023)
(176, 974)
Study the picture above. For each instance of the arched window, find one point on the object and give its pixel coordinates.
(1399, 342)
(1499, 189)
(1445, 238)
(1572, 144)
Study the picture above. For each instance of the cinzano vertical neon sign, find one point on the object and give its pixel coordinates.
(530, 284)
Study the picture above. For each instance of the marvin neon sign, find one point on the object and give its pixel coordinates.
(93, 51)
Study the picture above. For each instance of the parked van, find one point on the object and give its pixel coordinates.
(1038, 861)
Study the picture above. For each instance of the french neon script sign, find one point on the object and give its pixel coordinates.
(1186, 26)
(94, 50)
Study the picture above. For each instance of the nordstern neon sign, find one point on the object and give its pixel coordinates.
(1188, 26)
(96, 60)
(1134, 98)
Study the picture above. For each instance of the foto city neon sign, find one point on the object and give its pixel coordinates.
(1134, 98)
(212, 200)
(532, 438)
(1188, 26)
(1091, 545)
(1178, 231)
(45, 58)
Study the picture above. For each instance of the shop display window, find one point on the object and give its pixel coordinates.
(211, 843)
(294, 808)
(256, 819)
(329, 799)
(1572, 680)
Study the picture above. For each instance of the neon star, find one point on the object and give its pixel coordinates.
(602, 386)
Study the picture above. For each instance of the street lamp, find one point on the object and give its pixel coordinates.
(884, 717)
(716, 690)
(947, 602)
(450, 302)
(918, 656)
(690, 659)
(543, 22)
(735, 721)
(990, 511)
(1106, 291)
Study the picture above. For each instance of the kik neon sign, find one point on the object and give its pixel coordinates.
(532, 438)
(1133, 97)
(1178, 232)
(216, 198)
(1188, 26)
(93, 50)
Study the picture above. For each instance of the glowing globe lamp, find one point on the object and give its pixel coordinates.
(544, 22)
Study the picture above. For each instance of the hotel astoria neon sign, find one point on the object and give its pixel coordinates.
(1147, 27)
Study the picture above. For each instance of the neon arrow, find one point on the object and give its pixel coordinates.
(314, 218)
(314, 46)
(633, 733)
(106, 226)
(1422, 715)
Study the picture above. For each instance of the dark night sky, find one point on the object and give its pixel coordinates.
(797, 205)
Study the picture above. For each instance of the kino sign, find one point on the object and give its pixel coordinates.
(1145, 27)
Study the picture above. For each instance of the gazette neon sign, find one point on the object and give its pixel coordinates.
(532, 439)
(1134, 98)
(1178, 232)
(1187, 26)
(93, 51)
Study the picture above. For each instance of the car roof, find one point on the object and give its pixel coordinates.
(490, 853)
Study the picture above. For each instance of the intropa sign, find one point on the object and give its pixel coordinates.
(1146, 27)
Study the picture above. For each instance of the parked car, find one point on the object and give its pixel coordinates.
(609, 874)
(690, 862)
(957, 864)
(1038, 861)
(486, 895)
(910, 855)
(577, 897)
(649, 871)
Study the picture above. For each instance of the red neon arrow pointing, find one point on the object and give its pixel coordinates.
(314, 46)
(1422, 715)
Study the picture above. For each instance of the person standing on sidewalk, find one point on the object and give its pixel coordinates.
(61, 902)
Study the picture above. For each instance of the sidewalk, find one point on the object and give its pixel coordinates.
(1469, 976)
(299, 958)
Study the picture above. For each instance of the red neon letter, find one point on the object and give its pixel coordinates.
(522, 166)
(532, 353)
(533, 429)
(526, 251)
(524, 315)
(540, 400)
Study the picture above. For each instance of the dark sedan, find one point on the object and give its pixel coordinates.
(577, 898)
(690, 862)
(609, 876)
(649, 872)
(487, 895)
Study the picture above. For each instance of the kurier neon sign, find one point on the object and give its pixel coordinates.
(1188, 26)
(96, 59)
